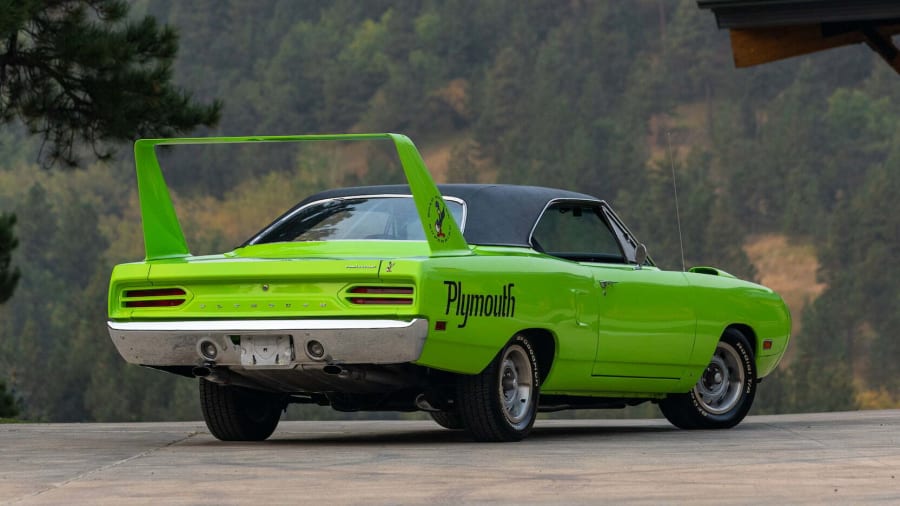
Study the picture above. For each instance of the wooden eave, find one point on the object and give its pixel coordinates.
(763, 31)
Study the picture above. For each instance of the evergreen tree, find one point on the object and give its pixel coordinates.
(9, 275)
(8, 406)
(78, 71)
(821, 377)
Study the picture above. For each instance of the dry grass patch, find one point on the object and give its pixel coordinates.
(789, 267)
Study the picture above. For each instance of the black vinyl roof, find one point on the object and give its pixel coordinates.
(499, 215)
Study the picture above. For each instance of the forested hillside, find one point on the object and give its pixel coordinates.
(580, 95)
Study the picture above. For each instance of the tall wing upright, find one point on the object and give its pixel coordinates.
(164, 238)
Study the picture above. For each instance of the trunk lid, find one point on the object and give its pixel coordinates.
(271, 281)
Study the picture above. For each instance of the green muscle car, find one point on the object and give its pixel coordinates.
(479, 304)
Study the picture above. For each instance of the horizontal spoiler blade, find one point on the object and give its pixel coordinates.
(164, 238)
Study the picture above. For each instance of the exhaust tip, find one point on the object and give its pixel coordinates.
(208, 350)
(201, 372)
(315, 350)
(332, 369)
(422, 403)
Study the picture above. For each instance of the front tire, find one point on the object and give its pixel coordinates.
(234, 413)
(725, 391)
(500, 403)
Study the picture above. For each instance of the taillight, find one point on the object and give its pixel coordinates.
(154, 303)
(393, 295)
(154, 297)
(384, 290)
(155, 292)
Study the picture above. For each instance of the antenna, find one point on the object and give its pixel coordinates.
(675, 188)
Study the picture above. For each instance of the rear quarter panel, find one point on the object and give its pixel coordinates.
(485, 299)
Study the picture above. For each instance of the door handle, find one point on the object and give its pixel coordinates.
(604, 284)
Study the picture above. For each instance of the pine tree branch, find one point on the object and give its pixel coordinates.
(78, 74)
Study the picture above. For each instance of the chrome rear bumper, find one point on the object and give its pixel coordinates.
(268, 343)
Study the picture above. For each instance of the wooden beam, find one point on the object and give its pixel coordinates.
(754, 46)
(883, 45)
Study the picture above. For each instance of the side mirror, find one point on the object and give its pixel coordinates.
(640, 256)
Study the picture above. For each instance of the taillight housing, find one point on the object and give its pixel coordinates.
(153, 297)
(381, 295)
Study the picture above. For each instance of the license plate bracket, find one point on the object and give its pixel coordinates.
(267, 351)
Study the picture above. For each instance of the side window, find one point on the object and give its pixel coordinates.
(628, 241)
(625, 238)
(577, 231)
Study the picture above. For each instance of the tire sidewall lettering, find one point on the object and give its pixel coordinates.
(750, 371)
(525, 344)
(750, 379)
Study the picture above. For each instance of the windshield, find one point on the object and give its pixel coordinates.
(384, 217)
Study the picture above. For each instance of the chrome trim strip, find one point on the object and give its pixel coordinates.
(237, 326)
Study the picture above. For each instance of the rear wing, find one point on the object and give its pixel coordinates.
(164, 238)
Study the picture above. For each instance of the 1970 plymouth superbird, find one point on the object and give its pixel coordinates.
(480, 304)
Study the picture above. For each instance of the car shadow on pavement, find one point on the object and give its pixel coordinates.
(437, 436)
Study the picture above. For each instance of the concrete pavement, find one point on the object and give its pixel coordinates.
(832, 457)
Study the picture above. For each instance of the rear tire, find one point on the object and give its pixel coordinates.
(725, 391)
(448, 419)
(235, 413)
(500, 403)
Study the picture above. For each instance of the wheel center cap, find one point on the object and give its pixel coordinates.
(509, 381)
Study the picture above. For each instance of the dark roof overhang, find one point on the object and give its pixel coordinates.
(768, 30)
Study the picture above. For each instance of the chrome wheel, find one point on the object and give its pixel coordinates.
(500, 403)
(725, 391)
(719, 389)
(516, 385)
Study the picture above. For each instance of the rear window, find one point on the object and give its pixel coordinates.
(391, 218)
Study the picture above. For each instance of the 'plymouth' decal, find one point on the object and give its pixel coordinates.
(500, 305)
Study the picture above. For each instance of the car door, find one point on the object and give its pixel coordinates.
(646, 323)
